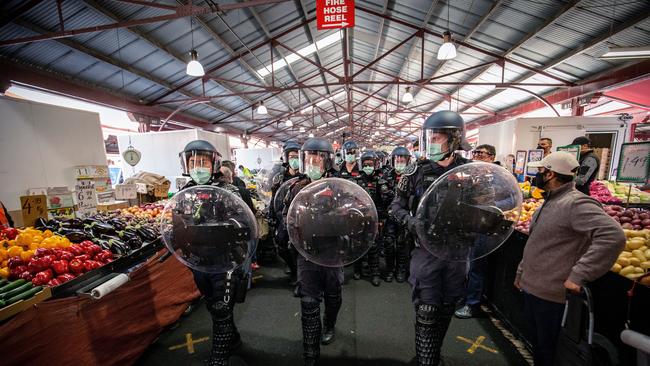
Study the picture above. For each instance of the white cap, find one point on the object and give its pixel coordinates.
(560, 162)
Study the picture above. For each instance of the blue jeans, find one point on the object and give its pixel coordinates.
(475, 282)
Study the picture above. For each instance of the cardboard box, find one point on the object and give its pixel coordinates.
(111, 206)
(91, 171)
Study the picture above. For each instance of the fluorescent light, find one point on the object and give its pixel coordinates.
(288, 123)
(623, 53)
(261, 109)
(305, 51)
(194, 67)
(447, 51)
(408, 97)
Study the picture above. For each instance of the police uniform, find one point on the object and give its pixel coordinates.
(287, 252)
(396, 245)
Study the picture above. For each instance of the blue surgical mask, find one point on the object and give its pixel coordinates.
(201, 175)
(434, 152)
(294, 163)
(368, 170)
(417, 154)
(399, 167)
(350, 158)
(314, 172)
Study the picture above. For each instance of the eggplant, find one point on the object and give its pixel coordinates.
(77, 236)
(40, 223)
(117, 224)
(134, 243)
(74, 223)
(117, 247)
(146, 234)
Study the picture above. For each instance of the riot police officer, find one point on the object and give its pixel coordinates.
(378, 190)
(201, 162)
(288, 170)
(396, 250)
(315, 283)
(349, 169)
(437, 284)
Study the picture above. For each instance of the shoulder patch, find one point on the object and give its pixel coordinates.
(403, 184)
(278, 178)
(410, 169)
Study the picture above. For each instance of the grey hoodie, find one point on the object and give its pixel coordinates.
(571, 237)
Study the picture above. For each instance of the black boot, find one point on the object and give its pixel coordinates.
(430, 328)
(389, 277)
(311, 331)
(357, 270)
(332, 306)
(224, 334)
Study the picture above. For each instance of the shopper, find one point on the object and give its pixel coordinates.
(316, 283)
(545, 144)
(476, 275)
(201, 161)
(5, 218)
(226, 175)
(589, 164)
(239, 183)
(437, 284)
(572, 241)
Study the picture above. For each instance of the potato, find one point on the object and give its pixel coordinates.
(616, 268)
(639, 270)
(646, 281)
(639, 254)
(625, 254)
(645, 265)
(636, 262)
(627, 270)
(624, 262)
(647, 253)
(633, 276)
(633, 244)
(644, 248)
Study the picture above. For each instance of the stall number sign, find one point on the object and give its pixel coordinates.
(33, 207)
(126, 191)
(332, 14)
(633, 163)
(86, 198)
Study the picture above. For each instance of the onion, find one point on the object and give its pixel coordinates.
(616, 218)
(636, 227)
(645, 222)
(635, 222)
(625, 219)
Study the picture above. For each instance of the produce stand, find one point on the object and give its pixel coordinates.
(113, 330)
(610, 294)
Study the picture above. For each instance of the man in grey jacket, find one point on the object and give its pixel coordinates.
(572, 241)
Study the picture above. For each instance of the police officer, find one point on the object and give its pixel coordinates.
(378, 189)
(201, 162)
(288, 170)
(349, 168)
(315, 283)
(396, 251)
(437, 284)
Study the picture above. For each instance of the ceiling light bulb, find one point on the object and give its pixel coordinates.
(302, 129)
(382, 127)
(408, 97)
(261, 109)
(288, 123)
(311, 134)
(194, 67)
(447, 51)
(391, 120)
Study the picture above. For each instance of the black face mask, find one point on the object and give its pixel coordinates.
(539, 147)
(539, 181)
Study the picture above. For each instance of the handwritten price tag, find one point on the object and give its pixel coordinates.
(33, 207)
(126, 191)
(633, 163)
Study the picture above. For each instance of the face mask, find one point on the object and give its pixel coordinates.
(201, 175)
(294, 163)
(539, 147)
(350, 158)
(417, 154)
(539, 181)
(368, 170)
(314, 173)
(434, 152)
(399, 167)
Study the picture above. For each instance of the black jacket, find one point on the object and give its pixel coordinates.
(588, 171)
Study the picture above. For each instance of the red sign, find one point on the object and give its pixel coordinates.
(332, 14)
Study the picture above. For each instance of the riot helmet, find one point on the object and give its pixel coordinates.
(316, 157)
(400, 158)
(291, 146)
(350, 151)
(200, 160)
(442, 133)
(368, 162)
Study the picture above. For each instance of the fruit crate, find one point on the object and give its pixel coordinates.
(103, 273)
(22, 305)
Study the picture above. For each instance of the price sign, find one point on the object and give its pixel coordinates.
(33, 207)
(126, 191)
(160, 190)
(571, 149)
(332, 14)
(520, 161)
(141, 188)
(633, 163)
(534, 155)
(86, 198)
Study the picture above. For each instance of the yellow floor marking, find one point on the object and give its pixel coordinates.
(478, 343)
(189, 343)
(255, 278)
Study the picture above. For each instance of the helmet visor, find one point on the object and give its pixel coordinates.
(193, 159)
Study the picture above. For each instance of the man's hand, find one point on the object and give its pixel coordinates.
(571, 286)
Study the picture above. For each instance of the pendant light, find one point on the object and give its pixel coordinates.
(302, 129)
(311, 134)
(391, 120)
(261, 109)
(447, 51)
(194, 67)
(288, 123)
(407, 97)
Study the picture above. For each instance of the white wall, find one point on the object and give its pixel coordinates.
(500, 135)
(249, 157)
(40, 144)
(160, 150)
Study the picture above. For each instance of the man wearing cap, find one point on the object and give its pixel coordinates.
(589, 164)
(572, 241)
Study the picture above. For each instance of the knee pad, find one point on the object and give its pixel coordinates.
(425, 313)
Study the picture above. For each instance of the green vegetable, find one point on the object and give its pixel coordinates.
(3, 282)
(25, 295)
(16, 291)
(13, 285)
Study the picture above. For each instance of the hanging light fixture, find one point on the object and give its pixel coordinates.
(302, 129)
(391, 120)
(447, 51)
(407, 97)
(288, 123)
(194, 67)
(261, 109)
(311, 134)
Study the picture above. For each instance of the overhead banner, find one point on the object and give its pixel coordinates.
(334, 14)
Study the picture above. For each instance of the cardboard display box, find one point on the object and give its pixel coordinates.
(111, 206)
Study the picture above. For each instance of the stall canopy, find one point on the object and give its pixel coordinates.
(510, 53)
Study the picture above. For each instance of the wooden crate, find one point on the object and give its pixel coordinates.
(22, 305)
